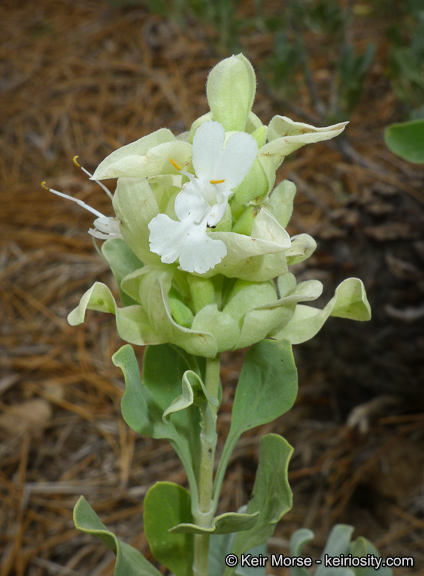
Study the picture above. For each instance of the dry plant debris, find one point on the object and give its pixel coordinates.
(84, 78)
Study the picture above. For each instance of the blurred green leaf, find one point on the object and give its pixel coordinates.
(281, 67)
(352, 70)
(406, 140)
(325, 17)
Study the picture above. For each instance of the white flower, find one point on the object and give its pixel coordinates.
(105, 227)
(203, 200)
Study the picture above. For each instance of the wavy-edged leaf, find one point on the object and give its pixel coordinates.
(129, 561)
(285, 136)
(132, 322)
(349, 301)
(145, 401)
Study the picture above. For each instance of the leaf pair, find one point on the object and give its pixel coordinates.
(164, 404)
(267, 389)
(167, 515)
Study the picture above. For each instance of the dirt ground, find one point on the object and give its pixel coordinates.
(84, 78)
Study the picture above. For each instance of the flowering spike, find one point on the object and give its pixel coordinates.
(177, 166)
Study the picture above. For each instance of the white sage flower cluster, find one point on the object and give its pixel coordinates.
(198, 243)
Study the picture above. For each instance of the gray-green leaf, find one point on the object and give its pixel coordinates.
(272, 496)
(129, 561)
(224, 524)
(267, 389)
(165, 505)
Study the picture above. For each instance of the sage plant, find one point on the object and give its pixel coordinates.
(197, 242)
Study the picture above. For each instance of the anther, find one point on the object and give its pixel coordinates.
(102, 186)
(216, 181)
(177, 166)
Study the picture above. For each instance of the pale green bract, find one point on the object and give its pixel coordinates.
(204, 231)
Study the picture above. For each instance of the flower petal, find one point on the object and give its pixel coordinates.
(186, 241)
(190, 203)
(211, 161)
(237, 159)
(208, 144)
(105, 228)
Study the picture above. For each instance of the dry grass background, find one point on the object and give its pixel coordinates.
(84, 78)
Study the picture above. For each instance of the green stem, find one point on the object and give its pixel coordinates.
(204, 508)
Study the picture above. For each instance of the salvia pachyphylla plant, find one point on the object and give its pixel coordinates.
(199, 249)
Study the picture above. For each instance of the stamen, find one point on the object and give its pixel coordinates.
(216, 181)
(76, 200)
(102, 186)
(177, 166)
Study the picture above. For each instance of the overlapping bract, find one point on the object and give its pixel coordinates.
(203, 231)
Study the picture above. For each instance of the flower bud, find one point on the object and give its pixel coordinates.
(230, 89)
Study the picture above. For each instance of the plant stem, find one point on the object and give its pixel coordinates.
(204, 509)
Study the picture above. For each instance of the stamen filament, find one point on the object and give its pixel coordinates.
(177, 166)
(76, 200)
(102, 186)
(216, 181)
